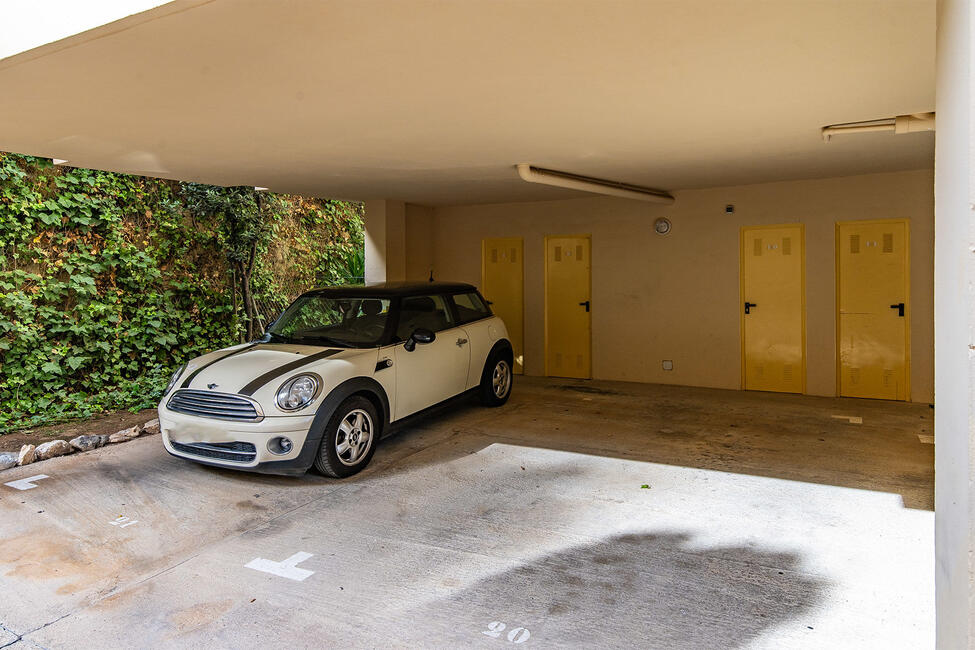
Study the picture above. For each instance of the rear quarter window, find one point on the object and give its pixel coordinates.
(470, 307)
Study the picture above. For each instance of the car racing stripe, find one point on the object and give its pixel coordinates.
(252, 387)
(186, 383)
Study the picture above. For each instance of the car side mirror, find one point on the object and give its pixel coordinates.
(419, 335)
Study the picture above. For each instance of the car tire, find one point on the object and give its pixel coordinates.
(497, 379)
(344, 451)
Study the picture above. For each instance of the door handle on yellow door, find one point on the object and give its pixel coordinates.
(900, 309)
(461, 342)
(585, 304)
(748, 307)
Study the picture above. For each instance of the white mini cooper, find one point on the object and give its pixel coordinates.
(331, 375)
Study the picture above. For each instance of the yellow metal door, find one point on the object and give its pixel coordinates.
(773, 309)
(503, 285)
(872, 296)
(567, 307)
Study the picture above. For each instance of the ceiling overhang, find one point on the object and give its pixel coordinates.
(435, 103)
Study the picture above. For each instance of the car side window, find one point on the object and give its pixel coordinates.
(428, 312)
(470, 307)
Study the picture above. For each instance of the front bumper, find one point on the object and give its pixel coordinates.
(188, 430)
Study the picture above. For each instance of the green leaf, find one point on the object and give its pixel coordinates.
(128, 276)
(76, 362)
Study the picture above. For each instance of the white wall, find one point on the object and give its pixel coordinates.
(955, 313)
(677, 297)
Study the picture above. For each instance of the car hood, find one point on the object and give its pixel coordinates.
(247, 368)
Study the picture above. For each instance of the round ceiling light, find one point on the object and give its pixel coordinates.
(661, 226)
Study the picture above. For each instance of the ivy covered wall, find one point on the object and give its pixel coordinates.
(109, 281)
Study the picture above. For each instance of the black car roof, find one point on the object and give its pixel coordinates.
(392, 289)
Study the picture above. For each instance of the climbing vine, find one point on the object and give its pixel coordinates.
(109, 281)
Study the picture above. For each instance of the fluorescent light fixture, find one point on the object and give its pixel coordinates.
(898, 124)
(58, 161)
(572, 181)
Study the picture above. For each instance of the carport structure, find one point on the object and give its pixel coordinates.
(425, 109)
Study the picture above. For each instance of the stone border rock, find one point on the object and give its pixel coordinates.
(30, 454)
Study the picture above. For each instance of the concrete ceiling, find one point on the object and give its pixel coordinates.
(433, 102)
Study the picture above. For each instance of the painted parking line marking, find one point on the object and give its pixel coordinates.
(123, 521)
(516, 635)
(852, 419)
(284, 568)
(26, 483)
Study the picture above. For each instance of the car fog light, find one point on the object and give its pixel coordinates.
(280, 445)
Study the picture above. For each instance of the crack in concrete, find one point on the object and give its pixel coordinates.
(263, 523)
(4, 628)
(21, 637)
(375, 469)
(63, 616)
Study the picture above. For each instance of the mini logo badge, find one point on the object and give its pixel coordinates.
(211, 386)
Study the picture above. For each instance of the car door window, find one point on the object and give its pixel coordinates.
(470, 307)
(428, 312)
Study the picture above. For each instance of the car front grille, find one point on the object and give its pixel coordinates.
(222, 406)
(238, 452)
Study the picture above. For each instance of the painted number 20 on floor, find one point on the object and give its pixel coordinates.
(515, 635)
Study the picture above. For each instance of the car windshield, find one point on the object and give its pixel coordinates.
(321, 320)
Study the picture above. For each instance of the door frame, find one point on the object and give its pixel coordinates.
(907, 299)
(521, 262)
(545, 289)
(741, 293)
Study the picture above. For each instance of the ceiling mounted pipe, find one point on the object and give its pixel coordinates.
(589, 184)
(899, 124)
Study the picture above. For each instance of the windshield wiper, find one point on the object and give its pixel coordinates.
(324, 339)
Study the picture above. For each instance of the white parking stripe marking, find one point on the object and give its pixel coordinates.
(284, 568)
(25, 483)
(852, 419)
(122, 522)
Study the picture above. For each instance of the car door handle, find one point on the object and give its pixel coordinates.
(461, 342)
(585, 304)
(900, 309)
(748, 307)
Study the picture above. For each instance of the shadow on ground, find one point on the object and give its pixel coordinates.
(791, 437)
(646, 590)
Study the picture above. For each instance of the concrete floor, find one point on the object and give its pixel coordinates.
(767, 523)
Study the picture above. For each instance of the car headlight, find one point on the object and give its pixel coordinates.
(298, 392)
(175, 378)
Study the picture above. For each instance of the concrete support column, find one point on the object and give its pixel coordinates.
(954, 339)
(385, 226)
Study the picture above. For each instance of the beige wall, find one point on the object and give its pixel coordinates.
(677, 297)
(385, 240)
(419, 242)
